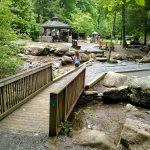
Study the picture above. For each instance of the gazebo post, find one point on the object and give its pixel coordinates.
(70, 35)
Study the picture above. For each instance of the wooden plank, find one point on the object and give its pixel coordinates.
(53, 115)
(4, 98)
(1, 101)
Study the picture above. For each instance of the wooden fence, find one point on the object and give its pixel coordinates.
(63, 100)
(17, 89)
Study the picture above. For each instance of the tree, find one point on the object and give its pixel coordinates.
(8, 62)
(24, 16)
(82, 22)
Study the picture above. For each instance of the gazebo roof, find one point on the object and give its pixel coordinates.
(55, 23)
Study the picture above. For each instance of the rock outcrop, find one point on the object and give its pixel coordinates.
(112, 95)
(66, 60)
(61, 51)
(135, 135)
(84, 57)
(94, 138)
(114, 79)
(140, 90)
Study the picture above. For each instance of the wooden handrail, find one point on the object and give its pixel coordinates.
(18, 76)
(18, 89)
(63, 98)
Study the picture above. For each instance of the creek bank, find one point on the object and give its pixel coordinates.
(128, 126)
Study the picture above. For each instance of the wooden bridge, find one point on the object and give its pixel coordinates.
(49, 101)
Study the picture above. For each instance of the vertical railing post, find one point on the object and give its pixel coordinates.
(53, 114)
(4, 98)
(64, 105)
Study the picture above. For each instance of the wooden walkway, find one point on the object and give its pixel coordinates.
(34, 115)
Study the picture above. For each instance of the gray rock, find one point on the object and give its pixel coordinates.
(36, 50)
(92, 55)
(113, 61)
(90, 93)
(84, 57)
(23, 56)
(99, 55)
(118, 57)
(112, 95)
(46, 51)
(130, 107)
(135, 135)
(94, 138)
(66, 60)
(140, 90)
(70, 53)
(114, 79)
(145, 60)
(101, 59)
(61, 51)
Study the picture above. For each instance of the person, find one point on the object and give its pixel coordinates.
(76, 59)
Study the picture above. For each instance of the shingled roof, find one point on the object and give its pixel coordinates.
(55, 23)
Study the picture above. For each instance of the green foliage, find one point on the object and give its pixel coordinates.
(88, 112)
(24, 17)
(6, 17)
(8, 62)
(82, 22)
(65, 128)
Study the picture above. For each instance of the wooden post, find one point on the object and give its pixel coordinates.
(53, 114)
(64, 105)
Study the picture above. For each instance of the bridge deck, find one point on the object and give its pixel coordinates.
(34, 115)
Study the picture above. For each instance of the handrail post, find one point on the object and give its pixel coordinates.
(64, 105)
(53, 114)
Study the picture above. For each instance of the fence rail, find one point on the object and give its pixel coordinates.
(17, 89)
(63, 100)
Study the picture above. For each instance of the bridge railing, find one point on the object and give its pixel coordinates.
(63, 100)
(17, 89)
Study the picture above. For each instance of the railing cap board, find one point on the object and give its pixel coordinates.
(18, 76)
(57, 87)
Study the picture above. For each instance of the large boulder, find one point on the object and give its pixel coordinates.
(140, 90)
(70, 53)
(61, 51)
(112, 95)
(119, 57)
(94, 138)
(113, 79)
(136, 135)
(66, 60)
(84, 57)
(35, 50)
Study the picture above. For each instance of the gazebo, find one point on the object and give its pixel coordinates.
(56, 31)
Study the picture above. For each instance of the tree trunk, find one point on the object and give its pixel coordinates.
(123, 25)
(112, 34)
(145, 27)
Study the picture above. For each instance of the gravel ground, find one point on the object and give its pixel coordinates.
(12, 140)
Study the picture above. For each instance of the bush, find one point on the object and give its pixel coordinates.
(9, 63)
